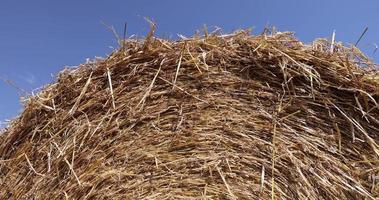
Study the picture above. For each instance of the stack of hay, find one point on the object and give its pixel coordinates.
(214, 117)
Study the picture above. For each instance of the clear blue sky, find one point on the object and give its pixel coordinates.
(38, 38)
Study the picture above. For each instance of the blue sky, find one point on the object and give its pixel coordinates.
(38, 38)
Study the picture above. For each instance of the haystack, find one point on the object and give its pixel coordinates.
(235, 116)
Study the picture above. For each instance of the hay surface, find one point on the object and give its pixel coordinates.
(215, 117)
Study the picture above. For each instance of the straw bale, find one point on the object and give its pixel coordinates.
(235, 116)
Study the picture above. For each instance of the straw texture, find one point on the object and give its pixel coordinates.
(213, 117)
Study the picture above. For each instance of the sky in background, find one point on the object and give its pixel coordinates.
(38, 38)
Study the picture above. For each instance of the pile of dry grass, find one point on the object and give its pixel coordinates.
(214, 117)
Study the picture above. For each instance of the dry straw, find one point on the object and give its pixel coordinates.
(214, 117)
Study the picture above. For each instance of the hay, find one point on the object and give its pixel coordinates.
(214, 117)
